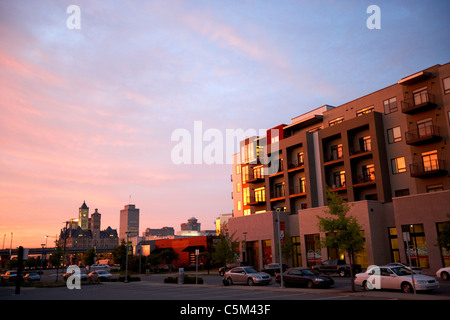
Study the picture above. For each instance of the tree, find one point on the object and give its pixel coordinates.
(89, 257)
(120, 254)
(56, 257)
(226, 249)
(342, 231)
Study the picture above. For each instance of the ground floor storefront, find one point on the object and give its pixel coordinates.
(405, 229)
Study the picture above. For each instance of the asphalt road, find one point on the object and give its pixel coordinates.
(152, 287)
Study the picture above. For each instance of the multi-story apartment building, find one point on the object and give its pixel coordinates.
(386, 153)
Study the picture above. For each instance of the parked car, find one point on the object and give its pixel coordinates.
(336, 266)
(304, 277)
(100, 275)
(394, 277)
(83, 276)
(31, 276)
(273, 268)
(398, 264)
(443, 273)
(10, 275)
(98, 267)
(228, 267)
(246, 275)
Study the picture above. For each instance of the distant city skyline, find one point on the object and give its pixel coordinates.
(88, 110)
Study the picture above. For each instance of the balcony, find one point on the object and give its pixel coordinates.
(277, 194)
(364, 180)
(295, 165)
(431, 168)
(428, 134)
(255, 200)
(255, 176)
(420, 102)
(297, 191)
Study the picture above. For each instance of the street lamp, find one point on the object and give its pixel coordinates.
(126, 258)
(244, 250)
(279, 246)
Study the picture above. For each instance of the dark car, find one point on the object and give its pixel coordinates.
(273, 268)
(304, 277)
(10, 275)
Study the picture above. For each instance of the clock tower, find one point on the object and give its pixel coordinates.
(83, 216)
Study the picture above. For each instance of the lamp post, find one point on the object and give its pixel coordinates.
(244, 249)
(126, 258)
(279, 247)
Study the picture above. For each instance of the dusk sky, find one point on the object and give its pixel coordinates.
(87, 114)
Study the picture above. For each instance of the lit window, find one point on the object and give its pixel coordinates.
(360, 112)
(398, 165)
(335, 121)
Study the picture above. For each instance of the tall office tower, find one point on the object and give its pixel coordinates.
(129, 221)
(83, 216)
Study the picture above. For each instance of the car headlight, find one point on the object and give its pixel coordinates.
(318, 279)
(420, 282)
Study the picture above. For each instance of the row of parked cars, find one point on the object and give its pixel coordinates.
(391, 276)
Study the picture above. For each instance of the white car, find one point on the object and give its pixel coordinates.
(100, 275)
(394, 277)
(398, 264)
(443, 273)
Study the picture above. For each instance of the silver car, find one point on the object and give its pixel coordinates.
(246, 275)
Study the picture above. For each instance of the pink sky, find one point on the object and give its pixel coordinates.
(88, 114)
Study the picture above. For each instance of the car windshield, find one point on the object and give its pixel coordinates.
(307, 272)
(400, 271)
(250, 270)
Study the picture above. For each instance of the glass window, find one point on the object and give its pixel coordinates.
(446, 83)
(398, 165)
(417, 246)
(402, 192)
(394, 135)
(390, 105)
(393, 241)
(364, 111)
(425, 127)
(420, 96)
(443, 227)
(339, 179)
(430, 161)
(336, 152)
(435, 187)
(335, 121)
(368, 172)
(313, 249)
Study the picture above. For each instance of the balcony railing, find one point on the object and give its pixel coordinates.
(297, 191)
(277, 194)
(420, 102)
(431, 168)
(255, 200)
(428, 134)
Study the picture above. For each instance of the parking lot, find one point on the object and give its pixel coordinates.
(152, 287)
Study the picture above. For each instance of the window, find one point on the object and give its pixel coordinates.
(402, 192)
(417, 246)
(239, 205)
(300, 158)
(302, 184)
(430, 161)
(446, 85)
(238, 187)
(238, 169)
(360, 112)
(336, 152)
(246, 195)
(390, 105)
(339, 179)
(335, 121)
(425, 127)
(420, 96)
(365, 144)
(260, 194)
(368, 172)
(398, 165)
(394, 135)
(435, 187)
(279, 190)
